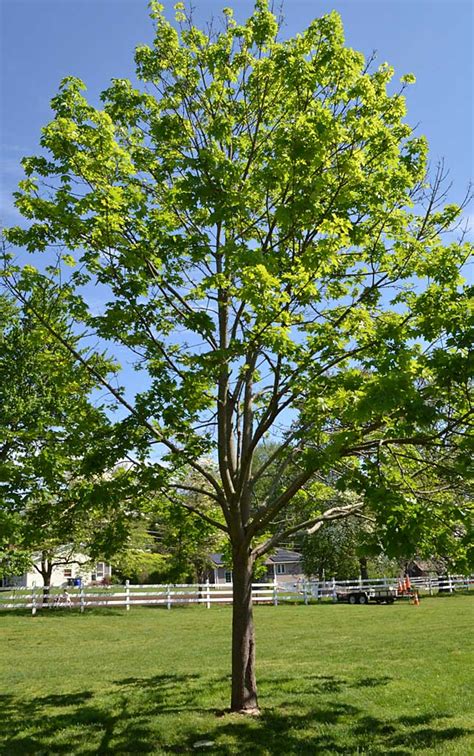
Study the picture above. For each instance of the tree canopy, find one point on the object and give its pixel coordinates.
(54, 489)
(258, 219)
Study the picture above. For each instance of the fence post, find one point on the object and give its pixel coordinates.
(430, 587)
(81, 597)
(305, 592)
(450, 583)
(33, 599)
(168, 596)
(333, 587)
(127, 595)
(275, 591)
(208, 594)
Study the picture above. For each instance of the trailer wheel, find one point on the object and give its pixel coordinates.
(363, 599)
(352, 599)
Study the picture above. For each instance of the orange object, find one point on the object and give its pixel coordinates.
(416, 599)
(407, 583)
(401, 586)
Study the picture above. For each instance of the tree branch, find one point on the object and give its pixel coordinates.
(311, 525)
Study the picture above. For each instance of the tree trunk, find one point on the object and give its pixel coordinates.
(244, 684)
(363, 568)
(46, 571)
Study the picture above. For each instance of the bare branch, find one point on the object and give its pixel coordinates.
(311, 526)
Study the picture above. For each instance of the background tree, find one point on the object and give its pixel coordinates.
(258, 219)
(58, 495)
(171, 544)
(140, 560)
(333, 551)
(188, 540)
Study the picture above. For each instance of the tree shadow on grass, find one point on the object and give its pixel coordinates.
(169, 713)
(329, 730)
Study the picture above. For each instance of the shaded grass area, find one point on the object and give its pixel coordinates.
(332, 679)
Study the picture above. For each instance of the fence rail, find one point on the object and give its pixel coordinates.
(305, 591)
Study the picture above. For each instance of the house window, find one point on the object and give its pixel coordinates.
(228, 577)
(100, 569)
(280, 569)
(68, 572)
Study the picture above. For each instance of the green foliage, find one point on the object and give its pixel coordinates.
(14, 560)
(139, 558)
(185, 539)
(268, 246)
(332, 551)
(55, 485)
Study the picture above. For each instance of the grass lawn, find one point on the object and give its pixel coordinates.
(332, 679)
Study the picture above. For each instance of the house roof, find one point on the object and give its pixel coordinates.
(284, 555)
(279, 556)
(216, 559)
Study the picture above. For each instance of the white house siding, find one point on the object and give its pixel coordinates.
(289, 572)
(61, 573)
(218, 575)
(285, 572)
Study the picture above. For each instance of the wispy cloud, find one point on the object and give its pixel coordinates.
(8, 212)
(12, 167)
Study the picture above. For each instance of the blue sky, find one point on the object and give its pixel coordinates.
(44, 40)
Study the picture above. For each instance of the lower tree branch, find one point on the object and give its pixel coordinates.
(310, 525)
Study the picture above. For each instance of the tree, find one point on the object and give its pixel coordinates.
(332, 551)
(57, 493)
(139, 557)
(186, 539)
(171, 544)
(267, 244)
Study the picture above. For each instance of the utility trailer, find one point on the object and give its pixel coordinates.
(363, 595)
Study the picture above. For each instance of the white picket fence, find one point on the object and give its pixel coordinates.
(129, 595)
(428, 585)
(209, 593)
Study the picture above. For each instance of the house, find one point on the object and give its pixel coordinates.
(425, 568)
(72, 568)
(284, 565)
